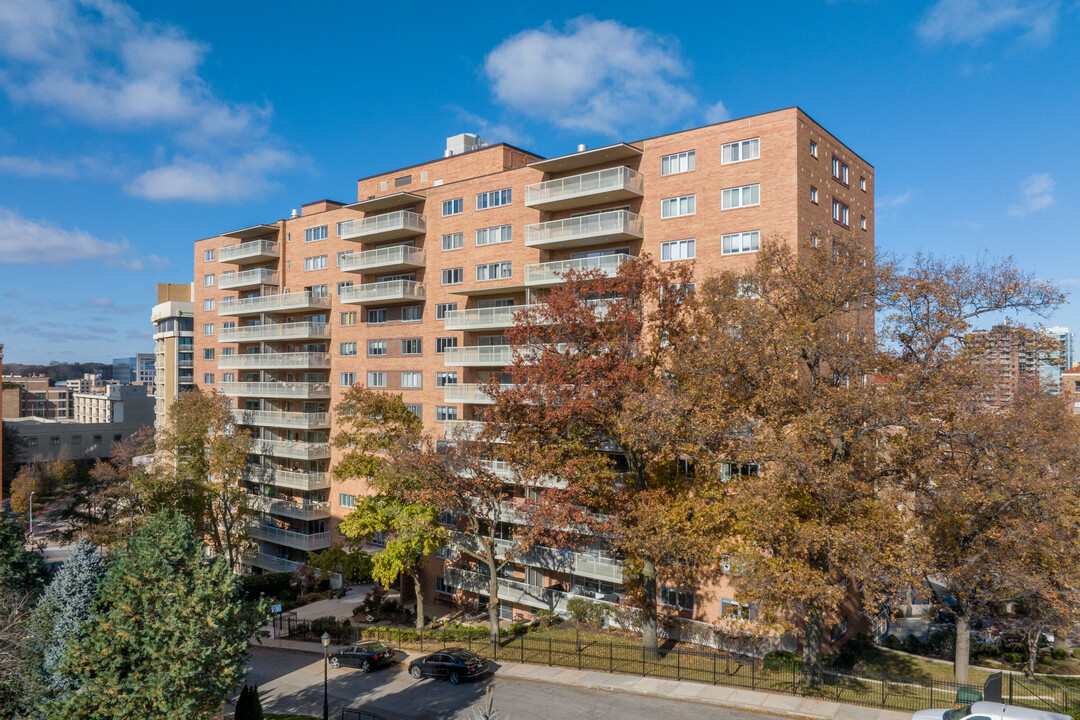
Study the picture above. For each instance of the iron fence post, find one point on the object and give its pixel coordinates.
(678, 664)
(642, 661)
(713, 669)
(752, 673)
(1010, 688)
(549, 650)
(611, 657)
(523, 647)
(882, 692)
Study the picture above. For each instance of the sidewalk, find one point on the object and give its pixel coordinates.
(716, 695)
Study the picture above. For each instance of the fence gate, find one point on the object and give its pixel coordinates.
(992, 688)
(283, 623)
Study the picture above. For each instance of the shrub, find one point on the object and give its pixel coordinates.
(782, 660)
(248, 705)
(373, 601)
(547, 618)
(1058, 654)
(913, 645)
(585, 611)
(853, 650)
(1013, 658)
(892, 642)
(1076, 653)
(268, 585)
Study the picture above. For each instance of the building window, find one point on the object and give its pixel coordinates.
(740, 242)
(208, 255)
(445, 412)
(346, 379)
(347, 319)
(376, 379)
(673, 597)
(208, 354)
(679, 206)
(347, 348)
(403, 180)
(55, 439)
(410, 346)
(228, 324)
(839, 170)
(315, 234)
(739, 151)
(495, 198)
(376, 316)
(813, 194)
(342, 285)
(840, 212)
(412, 313)
(493, 271)
(453, 276)
(453, 207)
(341, 256)
(208, 329)
(410, 379)
(677, 163)
(346, 501)
(208, 280)
(442, 343)
(442, 379)
(317, 262)
(677, 250)
(208, 304)
(319, 291)
(228, 377)
(208, 378)
(862, 221)
(76, 439)
(813, 148)
(862, 183)
(733, 610)
(442, 308)
(453, 241)
(493, 235)
(745, 196)
(414, 409)
(376, 348)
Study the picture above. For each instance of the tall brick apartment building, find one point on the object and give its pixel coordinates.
(410, 288)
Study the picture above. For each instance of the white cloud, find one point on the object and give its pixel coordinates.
(596, 75)
(717, 113)
(972, 21)
(1036, 193)
(34, 167)
(199, 181)
(895, 201)
(491, 132)
(1068, 282)
(98, 302)
(29, 242)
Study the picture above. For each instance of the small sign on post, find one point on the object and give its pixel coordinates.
(275, 608)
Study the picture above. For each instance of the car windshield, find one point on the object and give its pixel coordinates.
(376, 647)
(957, 713)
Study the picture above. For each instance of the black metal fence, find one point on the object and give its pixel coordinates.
(587, 652)
(358, 714)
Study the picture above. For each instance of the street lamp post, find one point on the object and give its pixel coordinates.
(31, 514)
(325, 702)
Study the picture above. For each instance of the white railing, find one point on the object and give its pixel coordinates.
(289, 478)
(258, 276)
(470, 429)
(598, 181)
(405, 220)
(483, 355)
(274, 360)
(302, 390)
(272, 303)
(469, 393)
(382, 257)
(553, 273)
(275, 331)
(292, 449)
(516, 591)
(482, 318)
(290, 538)
(568, 561)
(383, 291)
(290, 508)
(271, 562)
(598, 226)
(255, 248)
(270, 418)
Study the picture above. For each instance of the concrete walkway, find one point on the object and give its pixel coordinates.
(716, 695)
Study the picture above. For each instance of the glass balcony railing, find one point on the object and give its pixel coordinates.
(553, 273)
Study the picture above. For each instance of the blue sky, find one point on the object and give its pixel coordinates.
(129, 131)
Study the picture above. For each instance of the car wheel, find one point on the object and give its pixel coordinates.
(415, 672)
(335, 663)
(454, 678)
(366, 667)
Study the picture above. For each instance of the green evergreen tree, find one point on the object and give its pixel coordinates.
(21, 570)
(169, 636)
(248, 705)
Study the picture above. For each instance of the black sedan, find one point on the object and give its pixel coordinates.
(454, 664)
(366, 655)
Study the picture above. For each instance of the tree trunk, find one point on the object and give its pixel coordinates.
(1033, 650)
(418, 588)
(962, 655)
(493, 600)
(815, 630)
(649, 629)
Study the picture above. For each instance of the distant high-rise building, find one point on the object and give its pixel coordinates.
(138, 368)
(174, 347)
(1051, 367)
(34, 396)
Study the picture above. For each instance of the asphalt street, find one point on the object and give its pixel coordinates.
(291, 682)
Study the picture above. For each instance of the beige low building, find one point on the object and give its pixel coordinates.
(108, 406)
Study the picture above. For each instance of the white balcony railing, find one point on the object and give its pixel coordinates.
(276, 331)
(469, 429)
(273, 303)
(479, 356)
(394, 224)
(492, 318)
(290, 508)
(253, 251)
(290, 538)
(383, 259)
(515, 591)
(273, 563)
(585, 230)
(381, 292)
(597, 186)
(593, 565)
(292, 449)
(472, 393)
(553, 273)
(270, 418)
(274, 360)
(289, 479)
(297, 390)
(247, 278)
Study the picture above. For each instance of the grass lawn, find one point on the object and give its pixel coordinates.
(890, 663)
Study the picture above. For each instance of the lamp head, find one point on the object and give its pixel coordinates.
(326, 639)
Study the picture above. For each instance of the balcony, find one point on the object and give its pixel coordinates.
(289, 538)
(604, 227)
(388, 226)
(541, 275)
(516, 591)
(289, 508)
(469, 429)
(249, 252)
(247, 279)
(479, 356)
(377, 293)
(591, 188)
(272, 563)
(384, 260)
(592, 565)
(285, 302)
(493, 318)
(292, 390)
(270, 418)
(292, 449)
(283, 360)
(469, 393)
(270, 332)
(289, 479)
